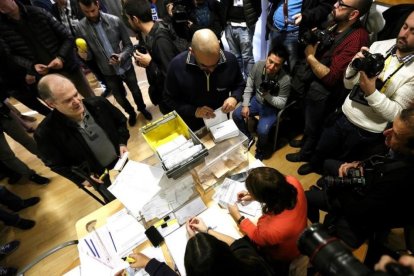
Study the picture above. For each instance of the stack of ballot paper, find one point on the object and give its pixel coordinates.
(221, 128)
(227, 192)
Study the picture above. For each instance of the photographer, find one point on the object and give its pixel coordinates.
(378, 98)
(327, 56)
(266, 92)
(372, 195)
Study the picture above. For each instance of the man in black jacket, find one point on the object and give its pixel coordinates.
(378, 200)
(159, 48)
(90, 132)
(40, 44)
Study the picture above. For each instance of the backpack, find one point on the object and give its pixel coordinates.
(166, 31)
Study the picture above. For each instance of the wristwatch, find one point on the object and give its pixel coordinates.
(240, 220)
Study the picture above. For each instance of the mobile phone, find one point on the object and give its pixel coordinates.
(154, 236)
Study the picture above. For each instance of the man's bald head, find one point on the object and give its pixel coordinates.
(205, 42)
(50, 83)
(205, 47)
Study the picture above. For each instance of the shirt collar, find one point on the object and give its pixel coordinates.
(191, 60)
(393, 52)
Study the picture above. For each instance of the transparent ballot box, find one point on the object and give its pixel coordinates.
(175, 145)
(224, 158)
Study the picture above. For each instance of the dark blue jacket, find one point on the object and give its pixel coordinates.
(187, 87)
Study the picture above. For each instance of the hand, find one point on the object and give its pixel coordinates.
(245, 112)
(114, 59)
(86, 183)
(55, 64)
(244, 196)
(142, 60)
(205, 112)
(198, 224)
(189, 24)
(343, 169)
(83, 55)
(96, 179)
(234, 211)
(122, 150)
(41, 69)
(367, 84)
(360, 54)
(30, 79)
(141, 260)
(229, 105)
(298, 18)
(310, 50)
(385, 260)
(190, 229)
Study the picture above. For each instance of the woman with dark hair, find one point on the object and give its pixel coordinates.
(210, 253)
(284, 215)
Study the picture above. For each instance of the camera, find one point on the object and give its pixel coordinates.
(330, 256)
(269, 86)
(181, 11)
(325, 37)
(353, 179)
(140, 49)
(371, 64)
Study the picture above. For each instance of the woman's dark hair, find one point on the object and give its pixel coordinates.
(270, 187)
(206, 255)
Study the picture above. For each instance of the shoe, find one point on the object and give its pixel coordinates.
(263, 155)
(26, 203)
(251, 143)
(132, 120)
(106, 93)
(259, 155)
(14, 178)
(25, 224)
(306, 169)
(8, 271)
(39, 179)
(295, 157)
(146, 114)
(8, 248)
(297, 143)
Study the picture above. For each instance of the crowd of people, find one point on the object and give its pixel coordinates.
(354, 97)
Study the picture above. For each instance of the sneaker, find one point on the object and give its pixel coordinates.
(26, 203)
(295, 157)
(8, 271)
(251, 143)
(25, 224)
(8, 248)
(39, 179)
(146, 114)
(298, 143)
(132, 120)
(306, 169)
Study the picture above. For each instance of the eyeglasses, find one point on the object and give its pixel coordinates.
(342, 4)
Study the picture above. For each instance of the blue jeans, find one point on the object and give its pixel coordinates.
(240, 40)
(290, 42)
(268, 117)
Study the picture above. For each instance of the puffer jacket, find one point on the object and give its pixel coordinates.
(252, 10)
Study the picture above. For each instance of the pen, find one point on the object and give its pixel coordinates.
(104, 174)
(95, 248)
(90, 248)
(110, 235)
(129, 259)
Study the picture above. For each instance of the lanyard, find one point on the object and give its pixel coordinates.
(387, 81)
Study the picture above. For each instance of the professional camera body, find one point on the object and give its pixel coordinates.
(269, 86)
(181, 10)
(140, 48)
(371, 64)
(353, 179)
(324, 37)
(330, 256)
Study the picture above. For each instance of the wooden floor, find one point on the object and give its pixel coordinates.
(62, 203)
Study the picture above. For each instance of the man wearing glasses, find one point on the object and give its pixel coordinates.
(327, 59)
(202, 80)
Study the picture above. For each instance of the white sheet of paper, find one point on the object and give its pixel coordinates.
(214, 217)
(220, 117)
(126, 232)
(191, 209)
(136, 185)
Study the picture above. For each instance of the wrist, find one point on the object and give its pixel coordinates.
(61, 59)
(208, 229)
(240, 220)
